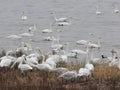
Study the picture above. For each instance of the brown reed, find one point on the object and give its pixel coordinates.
(104, 78)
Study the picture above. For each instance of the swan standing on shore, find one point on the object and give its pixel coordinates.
(24, 67)
(69, 75)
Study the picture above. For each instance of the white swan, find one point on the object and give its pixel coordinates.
(84, 72)
(24, 67)
(84, 42)
(81, 42)
(89, 66)
(47, 31)
(63, 24)
(114, 60)
(69, 54)
(14, 37)
(32, 29)
(26, 35)
(48, 38)
(116, 10)
(23, 17)
(5, 62)
(78, 51)
(93, 45)
(57, 45)
(58, 19)
(115, 6)
(69, 75)
(33, 60)
(55, 58)
(51, 63)
(72, 55)
(45, 66)
(60, 70)
(98, 12)
(64, 56)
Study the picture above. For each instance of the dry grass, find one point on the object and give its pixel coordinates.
(104, 72)
(104, 78)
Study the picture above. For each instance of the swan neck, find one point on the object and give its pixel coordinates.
(54, 16)
(43, 58)
(67, 48)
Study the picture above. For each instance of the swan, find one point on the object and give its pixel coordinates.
(116, 10)
(26, 35)
(24, 67)
(93, 45)
(10, 53)
(114, 60)
(25, 48)
(5, 62)
(78, 51)
(84, 72)
(48, 38)
(63, 24)
(54, 58)
(14, 37)
(32, 28)
(58, 19)
(89, 66)
(48, 30)
(45, 66)
(8, 57)
(51, 63)
(64, 56)
(56, 46)
(60, 70)
(69, 75)
(97, 11)
(24, 17)
(33, 60)
(81, 42)
(69, 54)
(84, 42)
(72, 55)
(18, 60)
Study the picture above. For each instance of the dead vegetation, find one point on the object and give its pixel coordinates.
(104, 78)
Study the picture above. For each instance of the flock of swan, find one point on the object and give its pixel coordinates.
(30, 58)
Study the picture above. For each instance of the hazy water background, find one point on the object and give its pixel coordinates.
(81, 14)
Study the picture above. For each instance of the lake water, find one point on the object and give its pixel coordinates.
(81, 14)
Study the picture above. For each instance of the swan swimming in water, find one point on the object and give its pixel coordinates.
(98, 12)
(58, 19)
(24, 17)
